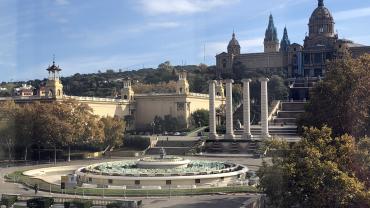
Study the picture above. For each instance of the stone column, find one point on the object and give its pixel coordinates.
(229, 110)
(264, 109)
(246, 109)
(212, 110)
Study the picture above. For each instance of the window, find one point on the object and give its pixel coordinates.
(224, 62)
(318, 58)
(197, 181)
(137, 182)
(90, 179)
(110, 181)
(168, 182)
(125, 97)
(318, 72)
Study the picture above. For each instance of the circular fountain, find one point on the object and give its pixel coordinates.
(162, 171)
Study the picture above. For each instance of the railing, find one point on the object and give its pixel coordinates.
(94, 99)
(96, 201)
(274, 110)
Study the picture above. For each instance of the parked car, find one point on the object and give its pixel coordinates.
(177, 134)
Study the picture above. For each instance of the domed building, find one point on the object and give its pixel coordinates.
(294, 60)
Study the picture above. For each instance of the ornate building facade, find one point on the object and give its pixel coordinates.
(294, 60)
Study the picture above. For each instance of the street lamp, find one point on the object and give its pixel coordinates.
(152, 124)
(253, 102)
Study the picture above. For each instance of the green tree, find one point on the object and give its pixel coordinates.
(200, 118)
(8, 126)
(25, 128)
(342, 99)
(316, 172)
(113, 131)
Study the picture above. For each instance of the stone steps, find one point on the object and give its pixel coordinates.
(169, 150)
(289, 114)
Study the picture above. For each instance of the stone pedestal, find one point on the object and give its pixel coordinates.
(264, 109)
(229, 110)
(246, 110)
(212, 110)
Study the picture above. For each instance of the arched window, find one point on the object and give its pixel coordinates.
(125, 97)
(58, 93)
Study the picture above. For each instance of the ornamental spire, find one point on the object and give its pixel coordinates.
(321, 3)
(285, 42)
(271, 33)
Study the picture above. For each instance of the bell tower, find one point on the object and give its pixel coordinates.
(127, 93)
(271, 41)
(182, 86)
(54, 87)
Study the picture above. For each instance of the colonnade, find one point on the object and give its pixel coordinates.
(246, 110)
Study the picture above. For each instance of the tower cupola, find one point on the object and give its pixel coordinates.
(182, 86)
(54, 87)
(127, 93)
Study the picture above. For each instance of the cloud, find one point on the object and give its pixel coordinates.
(163, 24)
(62, 2)
(181, 6)
(352, 14)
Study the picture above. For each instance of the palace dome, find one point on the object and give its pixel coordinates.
(321, 21)
(234, 46)
(233, 41)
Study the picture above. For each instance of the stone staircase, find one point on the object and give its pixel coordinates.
(288, 113)
(231, 147)
(178, 147)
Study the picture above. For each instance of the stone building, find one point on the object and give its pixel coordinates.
(294, 60)
(139, 109)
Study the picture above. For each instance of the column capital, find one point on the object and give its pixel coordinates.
(264, 79)
(212, 82)
(228, 81)
(246, 80)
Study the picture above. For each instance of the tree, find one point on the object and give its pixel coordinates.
(25, 128)
(113, 131)
(200, 118)
(316, 172)
(8, 126)
(341, 100)
(166, 66)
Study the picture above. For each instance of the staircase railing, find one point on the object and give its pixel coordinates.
(274, 110)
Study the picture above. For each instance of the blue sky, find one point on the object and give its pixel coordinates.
(87, 36)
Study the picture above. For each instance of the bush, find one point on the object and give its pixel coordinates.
(8, 200)
(124, 204)
(78, 204)
(42, 202)
(136, 142)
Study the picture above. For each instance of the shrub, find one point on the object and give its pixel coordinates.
(78, 204)
(8, 200)
(42, 202)
(136, 142)
(124, 204)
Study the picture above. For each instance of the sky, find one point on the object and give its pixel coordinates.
(90, 35)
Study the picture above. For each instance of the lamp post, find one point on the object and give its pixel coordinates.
(152, 124)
